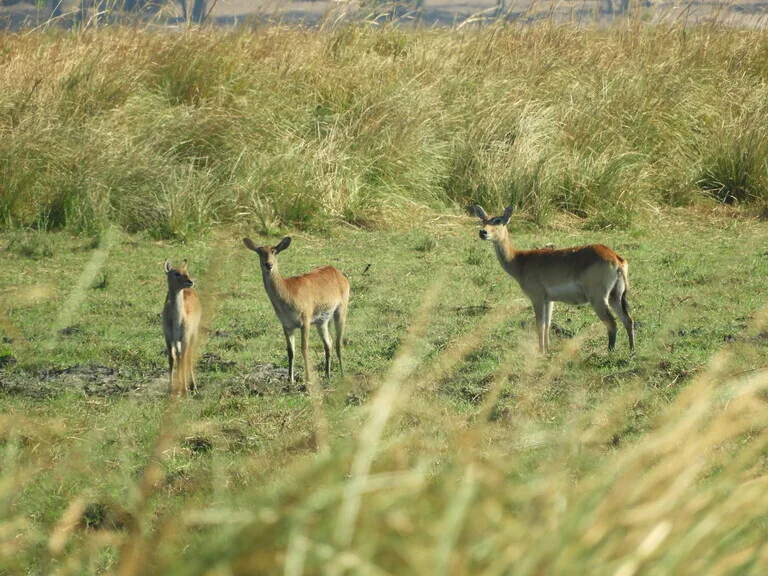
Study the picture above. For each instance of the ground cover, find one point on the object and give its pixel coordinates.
(488, 456)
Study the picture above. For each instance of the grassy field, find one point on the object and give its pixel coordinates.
(455, 447)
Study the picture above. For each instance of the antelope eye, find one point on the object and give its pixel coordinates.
(177, 274)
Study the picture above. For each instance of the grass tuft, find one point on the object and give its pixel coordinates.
(737, 170)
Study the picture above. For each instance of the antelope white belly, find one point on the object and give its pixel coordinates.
(322, 316)
(570, 293)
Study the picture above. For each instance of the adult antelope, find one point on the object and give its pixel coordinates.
(313, 298)
(592, 274)
(181, 323)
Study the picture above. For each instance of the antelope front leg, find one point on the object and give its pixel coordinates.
(183, 371)
(171, 358)
(189, 384)
(305, 349)
(539, 310)
(547, 323)
(192, 350)
(314, 389)
(181, 377)
(290, 346)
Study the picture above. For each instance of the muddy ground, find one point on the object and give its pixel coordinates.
(99, 380)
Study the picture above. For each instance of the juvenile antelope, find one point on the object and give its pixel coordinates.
(181, 321)
(592, 274)
(313, 298)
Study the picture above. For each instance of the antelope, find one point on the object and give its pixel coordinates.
(592, 274)
(181, 322)
(313, 298)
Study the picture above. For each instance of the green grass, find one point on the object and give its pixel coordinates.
(492, 457)
(172, 134)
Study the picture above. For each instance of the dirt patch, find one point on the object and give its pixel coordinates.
(760, 339)
(478, 310)
(268, 379)
(105, 516)
(92, 379)
(197, 444)
(212, 362)
(71, 330)
(89, 379)
(99, 380)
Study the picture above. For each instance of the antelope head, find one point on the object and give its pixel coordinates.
(494, 228)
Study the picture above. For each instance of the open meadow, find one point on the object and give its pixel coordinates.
(453, 445)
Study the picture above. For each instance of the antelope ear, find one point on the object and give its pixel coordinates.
(284, 243)
(185, 265)
(476, 210)
(508, 213)
(250, 244)
(167, 266)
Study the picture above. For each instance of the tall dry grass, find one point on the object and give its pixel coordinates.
(171, 132)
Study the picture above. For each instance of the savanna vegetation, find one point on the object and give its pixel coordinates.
(175, 133)
(453, 446)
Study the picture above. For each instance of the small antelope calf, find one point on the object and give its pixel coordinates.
(313, 298)
(181, 322)
(592, 274)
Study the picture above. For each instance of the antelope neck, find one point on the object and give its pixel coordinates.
(176, 298)
(506, 253)
(274, 284)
